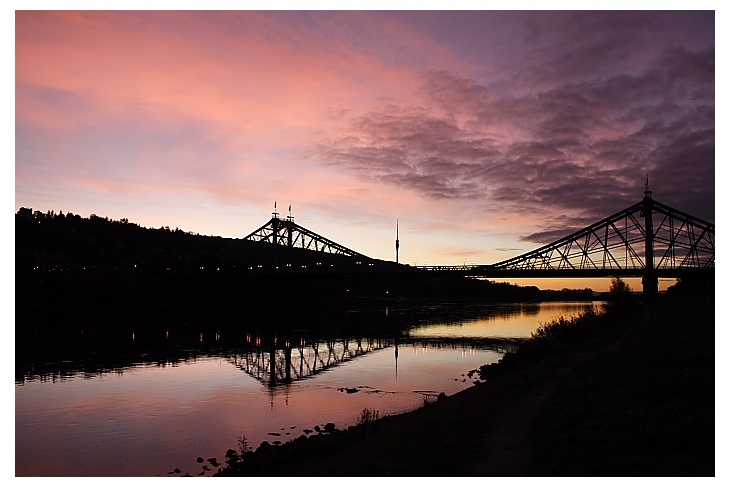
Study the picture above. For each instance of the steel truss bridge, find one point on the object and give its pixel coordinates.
(648, 239)
(289, 234)
(282, 363)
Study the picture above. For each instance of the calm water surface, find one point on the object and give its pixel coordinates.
(150, 416)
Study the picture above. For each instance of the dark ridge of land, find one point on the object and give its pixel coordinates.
(630, 393)
(84, 265)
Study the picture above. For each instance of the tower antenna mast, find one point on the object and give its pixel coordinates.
(647, 192)
(397, 242)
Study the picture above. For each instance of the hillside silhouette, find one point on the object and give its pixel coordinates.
(65, 259)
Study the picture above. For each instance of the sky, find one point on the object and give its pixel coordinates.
(485, 134)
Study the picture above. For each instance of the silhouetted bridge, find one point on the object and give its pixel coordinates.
(648, 240)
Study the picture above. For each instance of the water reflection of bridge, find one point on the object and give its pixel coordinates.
(278, 363)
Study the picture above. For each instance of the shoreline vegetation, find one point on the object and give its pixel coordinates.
(625, 391)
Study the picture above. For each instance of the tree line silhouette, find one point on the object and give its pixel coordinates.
(67, 258)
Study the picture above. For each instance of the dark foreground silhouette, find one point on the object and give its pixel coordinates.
(630, 393)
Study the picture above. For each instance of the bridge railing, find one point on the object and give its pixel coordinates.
(448, 267)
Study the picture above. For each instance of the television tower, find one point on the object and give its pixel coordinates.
(397, 242)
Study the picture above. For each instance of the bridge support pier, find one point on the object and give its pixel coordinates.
(650, 284)
(649, 281)
(287, 361)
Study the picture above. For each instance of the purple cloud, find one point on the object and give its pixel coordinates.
(571, 153)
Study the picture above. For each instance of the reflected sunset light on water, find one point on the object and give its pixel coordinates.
(148, 418)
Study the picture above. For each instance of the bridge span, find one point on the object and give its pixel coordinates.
(648, 240)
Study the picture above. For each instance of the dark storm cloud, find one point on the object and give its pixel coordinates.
(573, 153)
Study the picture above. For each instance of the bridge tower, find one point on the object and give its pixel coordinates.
(286, 233)
(275, 223)
(650, 282)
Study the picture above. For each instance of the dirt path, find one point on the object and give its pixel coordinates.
(506, 447)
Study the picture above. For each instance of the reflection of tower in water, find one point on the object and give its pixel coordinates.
(396, 359)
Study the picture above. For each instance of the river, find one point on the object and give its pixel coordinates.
(149, 402)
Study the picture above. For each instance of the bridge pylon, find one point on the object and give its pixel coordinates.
(667, 243)
(288, 234)
(649, 281)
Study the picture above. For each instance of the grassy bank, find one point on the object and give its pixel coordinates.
(643, 407)
(626, 393)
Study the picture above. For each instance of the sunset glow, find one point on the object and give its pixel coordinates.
(486, 134)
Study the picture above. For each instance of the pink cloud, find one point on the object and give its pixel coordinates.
(480, 127)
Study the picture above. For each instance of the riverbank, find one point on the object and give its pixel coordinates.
(628, 393)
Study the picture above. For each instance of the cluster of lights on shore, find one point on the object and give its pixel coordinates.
(303, 267)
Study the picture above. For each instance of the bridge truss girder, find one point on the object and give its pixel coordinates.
(289, 234)
(282, 365)
(676, 240)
